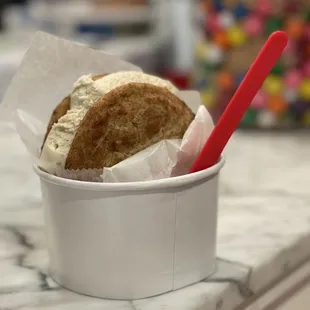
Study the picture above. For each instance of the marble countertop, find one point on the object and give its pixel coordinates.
(263, 231)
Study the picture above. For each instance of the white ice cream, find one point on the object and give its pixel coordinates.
(85, 93)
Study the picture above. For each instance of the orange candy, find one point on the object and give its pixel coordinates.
(225, 80)
(207, 6)
(294, 27)
(220, 38)
(277, 104)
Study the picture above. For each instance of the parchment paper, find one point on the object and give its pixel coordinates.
(46, 75)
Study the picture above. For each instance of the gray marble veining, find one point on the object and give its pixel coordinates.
(263, 229)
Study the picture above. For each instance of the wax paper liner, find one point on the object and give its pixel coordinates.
(46, 75)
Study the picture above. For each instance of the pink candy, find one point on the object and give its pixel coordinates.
(290, 48)
(306, 68)
(212, 23)
(259, 100)
(253, 25)
(292, 78)
(263, 7)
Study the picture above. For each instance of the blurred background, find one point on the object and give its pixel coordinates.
(207, 45)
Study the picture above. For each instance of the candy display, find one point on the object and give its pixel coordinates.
(233, 32)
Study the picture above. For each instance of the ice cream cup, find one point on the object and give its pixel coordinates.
(131, 240)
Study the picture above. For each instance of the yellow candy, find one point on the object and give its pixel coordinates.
(273, 85)
(236, 36)
(201, 49)
(306, 118)
(208, 98)
(304, 89)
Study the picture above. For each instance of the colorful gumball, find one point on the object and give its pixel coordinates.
(239, 78)
(306, 118)
(217, 5)
(277, 104)
(225, 19)
(201, 82)
(267, 119)
(200, 49)
(290, 95)
(294, 27)
(273, 24)
(209, 67)
(307, 15)
(241, 11)
(225, 80)
(288, 120)
(299, 108)
(254, 25)
(290, 48)
(306, 68)
(260, 100)
(273, 85)
(292, 78)
(236, 36)
(290, 7)
(304, 89)
(220, 37)
(206, 6)
(214, 54)
(263, 7)
(278, 69)
(212, 23)
(208, 97)
(249, 118)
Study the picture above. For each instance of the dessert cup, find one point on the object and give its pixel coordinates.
(131, 240)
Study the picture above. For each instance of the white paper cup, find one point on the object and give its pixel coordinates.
(131, 240)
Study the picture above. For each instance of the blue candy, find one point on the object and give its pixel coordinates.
(241, 11)
(202, 83)
(218, 5)
(239, 78)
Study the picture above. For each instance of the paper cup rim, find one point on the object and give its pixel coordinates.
(133, 186)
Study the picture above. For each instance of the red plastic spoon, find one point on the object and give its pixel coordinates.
(241, 100)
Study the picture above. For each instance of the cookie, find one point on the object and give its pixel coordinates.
(124, 122)
(62, 109)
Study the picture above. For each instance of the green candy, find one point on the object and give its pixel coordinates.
(209, 67)
(272, 25)
(307, 15)
(289, 119)
(278, 69)
(249, 118)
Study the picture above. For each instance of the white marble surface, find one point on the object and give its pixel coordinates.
(264, 229)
